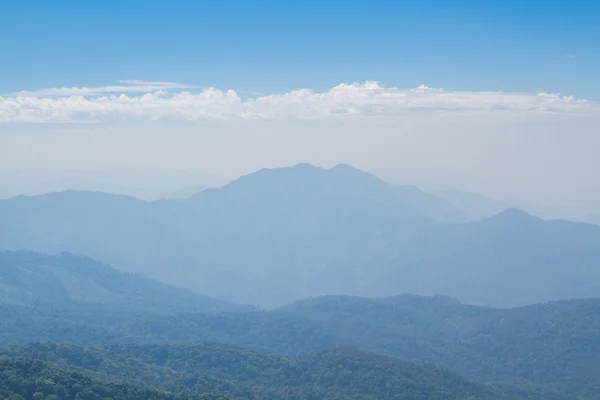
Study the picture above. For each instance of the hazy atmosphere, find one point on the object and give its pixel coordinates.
(516, 122)
(524, 149)
(307, 200)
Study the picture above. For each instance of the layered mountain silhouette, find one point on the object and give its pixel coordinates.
(475, 206)
(283, 234)
(542, 351)
(591, 219)
(67, 284)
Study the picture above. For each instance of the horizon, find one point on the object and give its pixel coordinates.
(152, 188)
(495, 98)
(310, 199)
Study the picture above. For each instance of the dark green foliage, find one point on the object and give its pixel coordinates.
(544, 348)
(29, 379)
(260, 330)
(556, 345)
(239, 373)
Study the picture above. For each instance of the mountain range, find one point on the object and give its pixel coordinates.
(475, 206)
(232, 372)
(542, 351)
(149, 184)
(280, 235)
(591, 219)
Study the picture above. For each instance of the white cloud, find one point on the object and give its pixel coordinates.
(156, 100)
(126, 86)
(153, 83)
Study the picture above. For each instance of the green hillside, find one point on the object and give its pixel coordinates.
(30, 379)
(245, 374)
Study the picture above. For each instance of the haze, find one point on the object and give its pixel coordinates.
(307, 200)
(542, 162)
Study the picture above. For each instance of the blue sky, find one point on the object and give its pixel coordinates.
(274, 46)
(129, 84)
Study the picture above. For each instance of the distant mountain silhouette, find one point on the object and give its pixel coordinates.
(591, 219)
(342, 186)
(512, 216)
(183, 193)
(475, 206)
(146, 184)
(282, 234)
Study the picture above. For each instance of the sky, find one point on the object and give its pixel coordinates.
(507, 92)
(276, 46)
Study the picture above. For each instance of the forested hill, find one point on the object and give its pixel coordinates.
(30, 379)
(244, 374)
(68, 283)
(508, 346)
(553, 346)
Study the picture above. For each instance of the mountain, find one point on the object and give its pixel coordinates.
(591, 219)
(239, 373)
(475, 206)
(304, 186)
(142, 183)
(182, 193)
(67, 283)
(75, 300)
(551, 349)
(280, 235)
(432, 180)
(501, 345)
(533, 259)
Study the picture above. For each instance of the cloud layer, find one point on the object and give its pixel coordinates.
(157, 100)
(126, 86)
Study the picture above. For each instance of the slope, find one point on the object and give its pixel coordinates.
(475, 206)
(240, 373)
(66, 283)
(554, 345)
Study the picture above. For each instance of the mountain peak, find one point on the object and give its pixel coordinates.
(515, 215)
(303, 165)
(344, 167)
(305, 174)
(300, 168)
(348, 172)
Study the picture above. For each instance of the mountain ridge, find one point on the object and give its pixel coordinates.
(56, 281)
(284, 234)
(240, 373)
(517, 346)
